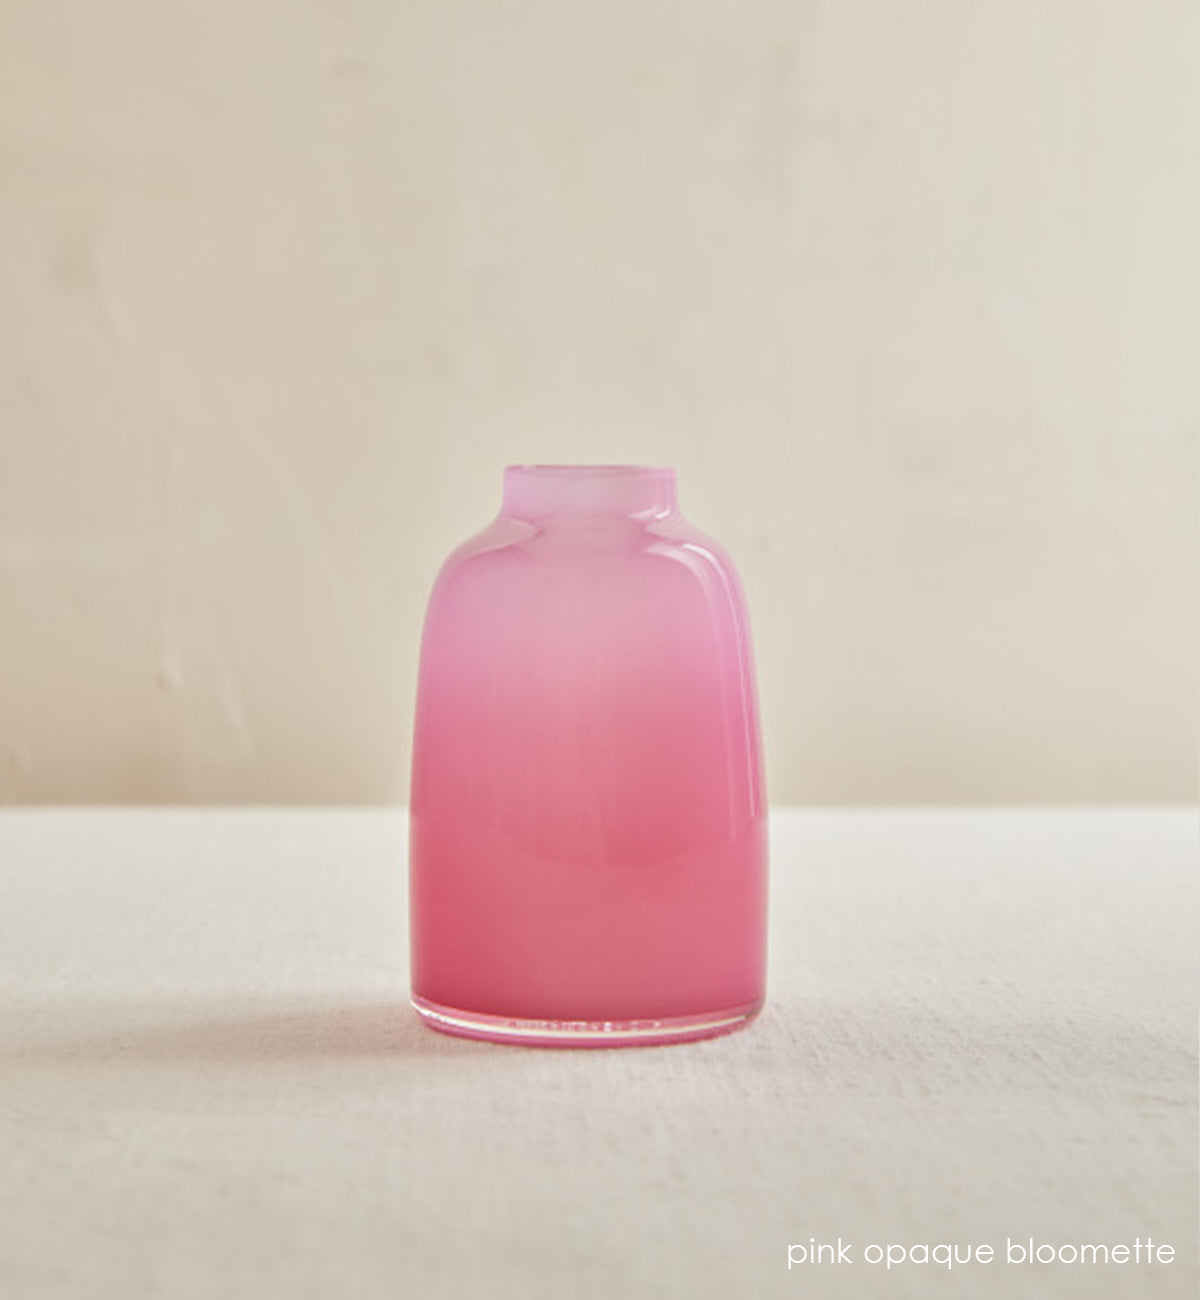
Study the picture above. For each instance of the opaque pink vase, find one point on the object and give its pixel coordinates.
(588, 833)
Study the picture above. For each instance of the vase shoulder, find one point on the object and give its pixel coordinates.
(568, 547)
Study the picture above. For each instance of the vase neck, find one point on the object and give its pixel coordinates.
(531, 491)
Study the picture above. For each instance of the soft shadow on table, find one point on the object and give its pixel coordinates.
(218, 1031)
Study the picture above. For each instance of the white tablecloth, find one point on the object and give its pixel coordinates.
(981, 1025)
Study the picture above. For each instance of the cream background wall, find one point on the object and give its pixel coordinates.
(907, 292)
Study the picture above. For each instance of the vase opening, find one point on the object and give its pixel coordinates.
(533, 490)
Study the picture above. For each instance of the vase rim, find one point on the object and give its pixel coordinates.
(535, 490)
(588, 469)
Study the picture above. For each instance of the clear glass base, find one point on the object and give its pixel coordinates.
(584, 1033)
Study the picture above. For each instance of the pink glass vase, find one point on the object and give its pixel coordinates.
(588, 825)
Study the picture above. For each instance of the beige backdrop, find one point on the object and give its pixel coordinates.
(906, 291)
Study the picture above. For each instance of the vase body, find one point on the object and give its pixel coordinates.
(588, 854)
